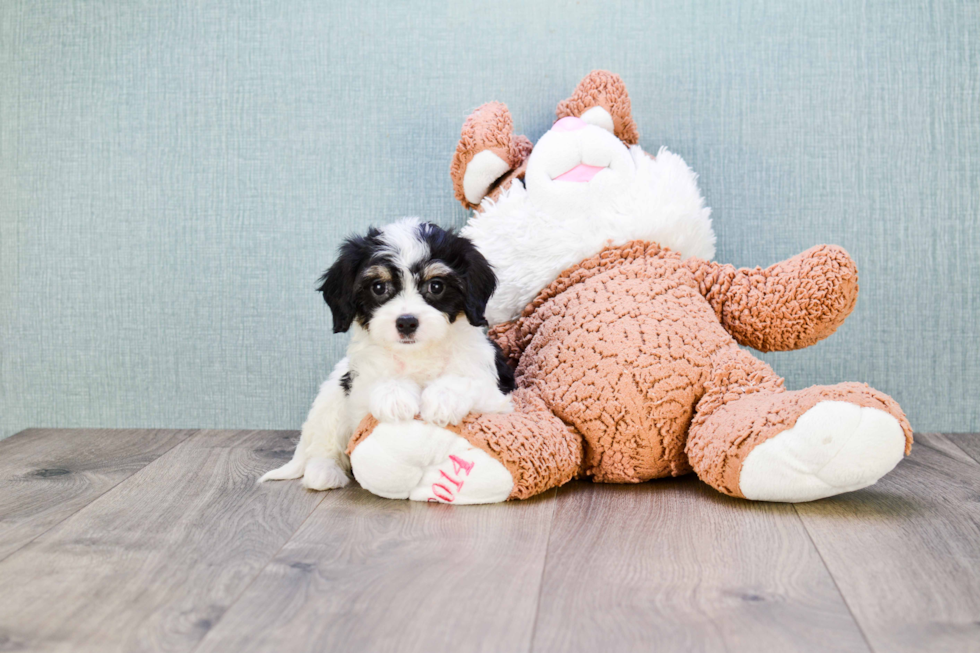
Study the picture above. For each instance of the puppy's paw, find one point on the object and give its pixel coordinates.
(495, 402)
(324, 474)
(442, 404)
(395, 401)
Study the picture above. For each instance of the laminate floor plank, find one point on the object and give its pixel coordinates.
(673, 565)
(906, 551)
(369, 574)
(152, 564)
(162, 541)
(47, 475)
(968, 442)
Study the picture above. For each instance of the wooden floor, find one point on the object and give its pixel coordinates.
(162, 541)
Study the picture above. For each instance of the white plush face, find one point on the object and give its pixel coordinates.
(584, 190)
(578, 168)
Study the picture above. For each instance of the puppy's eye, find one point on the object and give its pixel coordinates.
(379, 288)
(436, 286)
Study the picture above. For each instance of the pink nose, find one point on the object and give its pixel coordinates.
(569, 124)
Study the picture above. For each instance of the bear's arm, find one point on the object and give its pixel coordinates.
(789, 305)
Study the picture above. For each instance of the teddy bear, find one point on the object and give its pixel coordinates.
(624, 334)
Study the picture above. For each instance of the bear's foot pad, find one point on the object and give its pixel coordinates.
(834, 447)
(421, 462)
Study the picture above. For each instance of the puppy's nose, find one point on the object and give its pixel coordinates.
(569, 124)
(406, 324)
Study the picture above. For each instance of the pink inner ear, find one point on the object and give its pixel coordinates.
(581, 172)
(569, 124)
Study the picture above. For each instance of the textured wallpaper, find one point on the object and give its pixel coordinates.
(174, 176)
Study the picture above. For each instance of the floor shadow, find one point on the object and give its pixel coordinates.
(867, 504)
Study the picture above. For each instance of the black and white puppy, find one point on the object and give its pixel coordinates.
(414, 297)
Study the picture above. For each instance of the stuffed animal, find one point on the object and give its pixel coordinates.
(624, 333)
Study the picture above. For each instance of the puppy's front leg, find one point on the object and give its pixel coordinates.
(448, 399)
(395, 400)
(319, 457)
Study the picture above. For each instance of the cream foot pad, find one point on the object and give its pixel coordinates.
(834, 447)
(418, 461)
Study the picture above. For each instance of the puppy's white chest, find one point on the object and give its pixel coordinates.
(420, 370)
(392, 372)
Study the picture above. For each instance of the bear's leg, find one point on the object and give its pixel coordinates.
(751, 438)
(486, 459)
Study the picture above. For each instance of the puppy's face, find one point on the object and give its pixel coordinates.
(406, 283)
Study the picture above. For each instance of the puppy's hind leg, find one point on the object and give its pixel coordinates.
(319, 456)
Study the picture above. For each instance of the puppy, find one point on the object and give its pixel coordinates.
(413, 295)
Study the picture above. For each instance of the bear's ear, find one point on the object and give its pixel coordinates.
(487, 150)
(601, 99)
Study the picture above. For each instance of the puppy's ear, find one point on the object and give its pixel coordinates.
(337, 283)
(480, 284)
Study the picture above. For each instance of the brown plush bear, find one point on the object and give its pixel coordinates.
(624, 334)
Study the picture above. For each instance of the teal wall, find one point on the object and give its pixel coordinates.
(175, 175)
